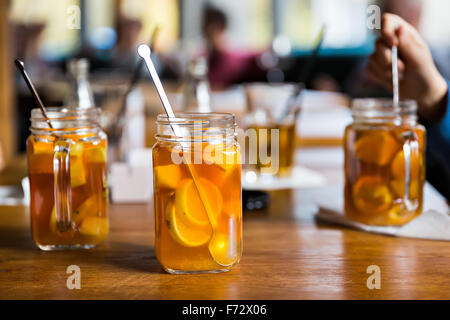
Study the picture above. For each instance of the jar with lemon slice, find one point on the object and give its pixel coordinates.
(384, 163)
(67, 173)
(197, 193)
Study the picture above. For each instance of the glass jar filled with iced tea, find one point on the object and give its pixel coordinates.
(68, 181)
(384, 163)
(270, 120)
(197, 193)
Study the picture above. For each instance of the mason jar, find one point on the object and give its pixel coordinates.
(68, 181)
(384, 163)
(197, 193)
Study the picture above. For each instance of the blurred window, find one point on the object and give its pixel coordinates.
(250, 24)
(300, 21)
(435, 24)
(165, 14)
(56, 40)
(100, 24)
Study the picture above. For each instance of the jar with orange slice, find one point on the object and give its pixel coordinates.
(197, 193)
(67, 174)
(384, 163)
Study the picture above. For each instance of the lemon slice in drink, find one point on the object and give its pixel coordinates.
(189, 205)
(371, 195)
(88, 208)
(94, 226)
(167, 176)
(184, 233)
(77, 172)
(95, 154)
(378, 147)
(398, 165)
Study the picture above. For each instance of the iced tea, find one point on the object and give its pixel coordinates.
(84, 192)
(204, 189)
(384, 171)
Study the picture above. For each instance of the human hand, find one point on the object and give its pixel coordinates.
(419, 78)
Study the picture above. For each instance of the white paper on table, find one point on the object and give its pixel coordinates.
(323, 114)
(301, 177)
(132, 182)
(433, 223)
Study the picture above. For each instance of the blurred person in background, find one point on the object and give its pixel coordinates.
(226, 67)
(125, 54)
(419, 79)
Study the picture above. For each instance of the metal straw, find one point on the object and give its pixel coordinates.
(396, 95)
(215, 243)
(21, 66)
(144, 51)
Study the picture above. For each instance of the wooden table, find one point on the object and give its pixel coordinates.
(287, 255)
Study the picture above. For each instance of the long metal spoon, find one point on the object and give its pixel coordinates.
(217, 247)
(396, 95)
(21, 66)
(116, 128)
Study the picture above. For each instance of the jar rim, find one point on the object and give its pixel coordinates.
(215, 119)
(383, 107)
(64, 113)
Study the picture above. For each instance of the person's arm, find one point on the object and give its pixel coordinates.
(442, 127)
(438, 151)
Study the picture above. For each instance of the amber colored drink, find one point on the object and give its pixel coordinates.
(84, 192)
(285, 146)
(375, 174)
(185, 241)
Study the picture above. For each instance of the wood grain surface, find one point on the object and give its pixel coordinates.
(287, 255)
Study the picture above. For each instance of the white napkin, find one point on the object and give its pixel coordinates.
(433, 223)
(132, 181)
(300, 177)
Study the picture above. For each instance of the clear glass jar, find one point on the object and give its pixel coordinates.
(197, 193)
(272, 112)
(68, 181)
(384, 163)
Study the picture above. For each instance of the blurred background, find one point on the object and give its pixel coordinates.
(241, 41)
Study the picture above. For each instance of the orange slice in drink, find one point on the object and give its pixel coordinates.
(96, 154)
(189, 205)
(77, 169)
(94, 226)
(398, 165)
(42, 147)
(183, 232)
(76, 149)
(371, 195)
(168, 176)
(398, 186)
(88, 207)
(77, 172)
(377, 147)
